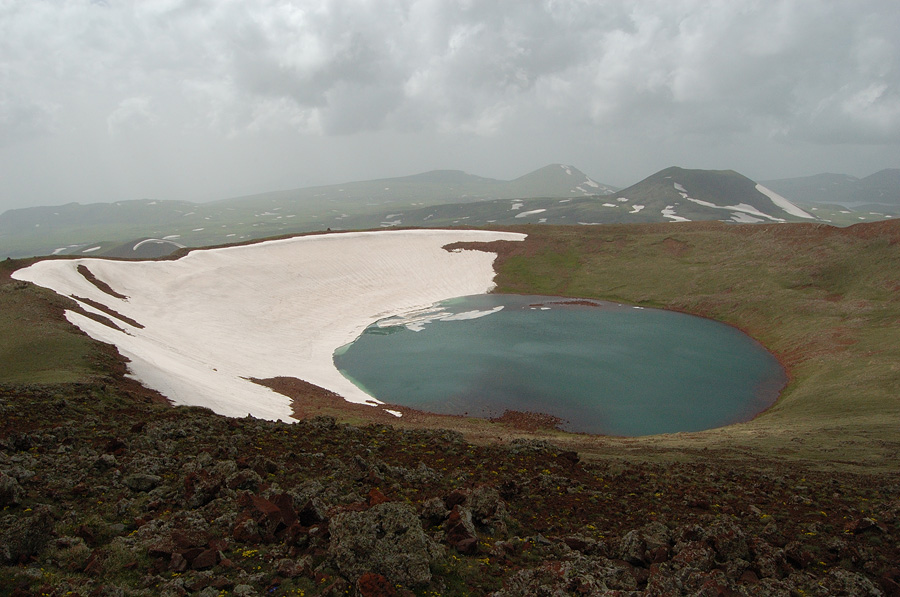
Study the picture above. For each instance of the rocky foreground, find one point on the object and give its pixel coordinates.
(106, 493)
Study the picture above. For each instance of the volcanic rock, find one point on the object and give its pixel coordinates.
(386, 539)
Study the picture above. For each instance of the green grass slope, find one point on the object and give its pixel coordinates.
(38, 346)
(825, 300)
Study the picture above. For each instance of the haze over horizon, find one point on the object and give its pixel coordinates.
(170, 99)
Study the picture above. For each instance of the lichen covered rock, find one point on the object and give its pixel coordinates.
(386, 539)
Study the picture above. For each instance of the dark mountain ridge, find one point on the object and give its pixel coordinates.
(681, 194)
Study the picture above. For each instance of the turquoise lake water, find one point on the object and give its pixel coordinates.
(600, 367)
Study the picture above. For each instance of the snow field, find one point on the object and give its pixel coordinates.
(215, 318)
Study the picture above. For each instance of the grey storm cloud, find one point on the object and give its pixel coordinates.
(439, 71)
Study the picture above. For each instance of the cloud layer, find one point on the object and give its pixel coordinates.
(192, 99)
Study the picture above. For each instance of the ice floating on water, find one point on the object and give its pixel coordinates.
(418, 319)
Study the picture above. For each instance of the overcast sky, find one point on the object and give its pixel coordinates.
(109, 100)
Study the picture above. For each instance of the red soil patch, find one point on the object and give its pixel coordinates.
(528, 421)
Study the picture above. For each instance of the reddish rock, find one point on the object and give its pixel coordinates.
(191, 554)
(201, 487)
(749, 577)
(177, 563)
(862, 525)
(715, 588)
(265, 509)
(658, 555)
(310, 515)
(698, 502)
(285, 504)
(890, 582)
(374, 585)
(460, 532)
(728, 540)
(94, 564)
(375, 497)
(223, 584)
(455, 498)
(576, 543)
(115, 446)
(796, 555)
(243, 479)
(246, 531)
(319, 530)
(289, 568)
(295, 534)
(160, 550)
(85, 533)
(467, 546)
(183, 540)
(569, 456)
(205, 559)
(696, 555)
(198, 584)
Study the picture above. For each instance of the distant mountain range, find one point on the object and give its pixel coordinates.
(554, 194)
(435, 187)
(879, 189)
(100, 228)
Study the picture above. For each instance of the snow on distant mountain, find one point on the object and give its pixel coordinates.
(679, 194)
(555, 180)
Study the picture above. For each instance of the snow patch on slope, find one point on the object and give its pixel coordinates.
(783, 203)
(744, 218)
(669, 212)
(740, 207)
(216, 318)
(532, 212)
